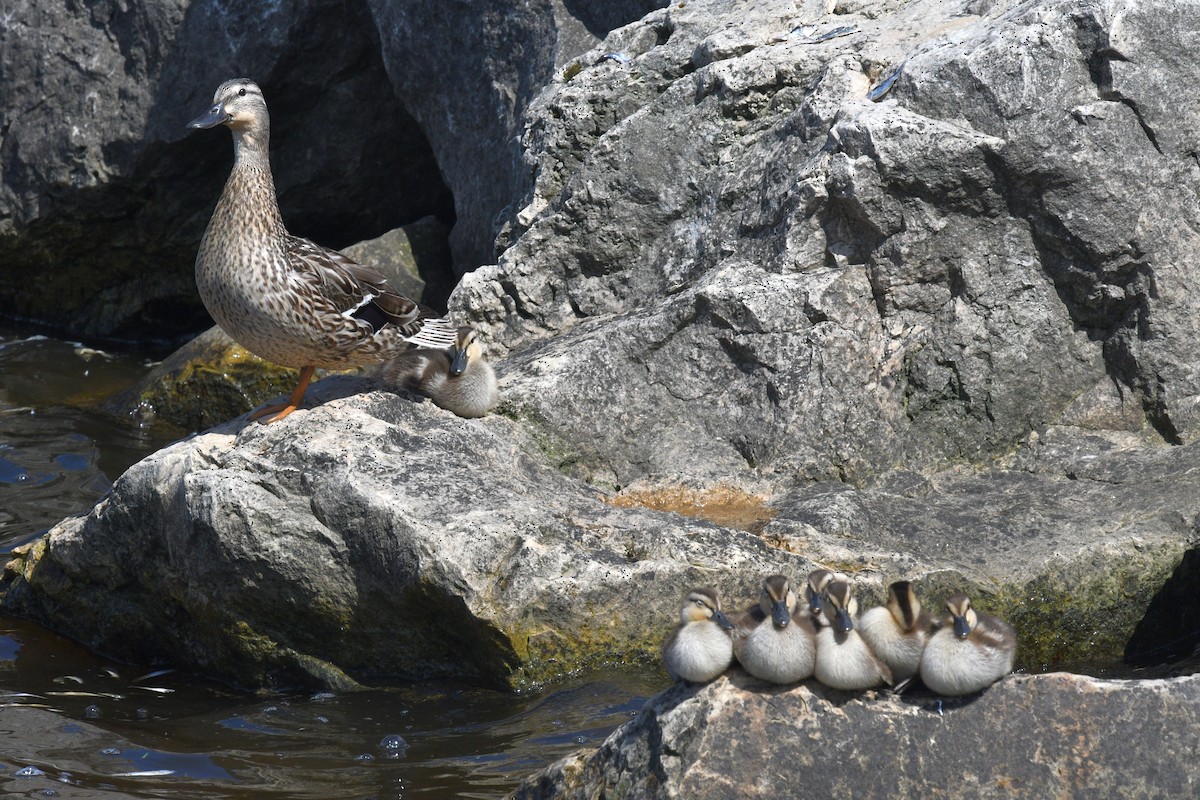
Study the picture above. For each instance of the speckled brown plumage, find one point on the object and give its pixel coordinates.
(282, 297)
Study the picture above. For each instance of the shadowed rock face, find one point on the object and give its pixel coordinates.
(1054, 735)
(104, 194)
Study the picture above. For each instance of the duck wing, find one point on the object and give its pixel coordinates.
(363, 293)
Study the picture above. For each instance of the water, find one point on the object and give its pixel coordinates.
(57, 454)
(75, 725)
(94, 728)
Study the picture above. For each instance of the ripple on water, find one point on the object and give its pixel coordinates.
(203, 741)
(58, 455)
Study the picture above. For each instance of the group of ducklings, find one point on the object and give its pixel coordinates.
(782, 640)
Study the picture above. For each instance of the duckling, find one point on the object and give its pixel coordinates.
(844, 661)
(699, 649)
(897, 632)
(971, 652)
(771, 642)
(456, 379)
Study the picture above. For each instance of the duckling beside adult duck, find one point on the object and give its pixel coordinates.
(457, 378)
(844, 661)
(898, 631)
(282, 297)
(970, 652)
(772, 643)
(699, 649)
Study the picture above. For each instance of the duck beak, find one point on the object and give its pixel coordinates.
(815, 606)
(722, 620)
(844, 623)
(458, 364)
(780, 615)
(211, 118)
(961, 628)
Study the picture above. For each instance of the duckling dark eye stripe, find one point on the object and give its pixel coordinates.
(904, 601)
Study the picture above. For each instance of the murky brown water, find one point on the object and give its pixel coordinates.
(75, 725)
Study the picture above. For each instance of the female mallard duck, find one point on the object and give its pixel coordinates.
(457, 378)
(897, 632)
(844, 661)
(284, 298)
(772, 643)
(970, 652)
(699, 649)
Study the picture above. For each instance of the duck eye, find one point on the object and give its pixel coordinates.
(242, 92)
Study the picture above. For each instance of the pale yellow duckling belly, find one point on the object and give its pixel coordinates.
(953, 666)
(779, 656)
(846, 664)
(699, 652)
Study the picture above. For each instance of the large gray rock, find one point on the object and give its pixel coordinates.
(1056, 735)
(371, 537)
(104, 194)
(734, 263)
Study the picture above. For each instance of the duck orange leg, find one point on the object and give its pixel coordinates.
(293, 402)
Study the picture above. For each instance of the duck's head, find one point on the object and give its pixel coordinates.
(466, 348)
(239, 105)
(962, 616)
(703, 604)
(818, 579)
(842, 606)
(777, 600)
(903, 604)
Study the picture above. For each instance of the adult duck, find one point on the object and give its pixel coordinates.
(282, 297)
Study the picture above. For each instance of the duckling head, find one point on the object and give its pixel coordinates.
(818, 580)
(842, 603)
(903, 604)
(703, 604)
(466, 347)
(962, 616)
(777, 600)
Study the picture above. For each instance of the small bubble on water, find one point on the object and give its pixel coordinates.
(558, 723)
(49, 792)
(92, 712)
(321, 719)
(323, 697)
(28, 772)
(143, 713)
(111, 751)
(364, 757)
(393, 744)
(580, 740)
